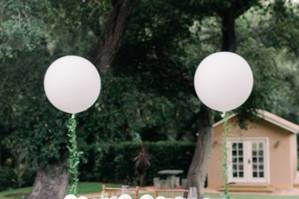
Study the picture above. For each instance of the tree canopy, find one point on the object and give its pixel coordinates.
(147, 78)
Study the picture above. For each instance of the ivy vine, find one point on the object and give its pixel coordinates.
(74, 156)
(226, 130)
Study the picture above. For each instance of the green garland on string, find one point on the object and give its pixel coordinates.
(226, 130)
(74, 156)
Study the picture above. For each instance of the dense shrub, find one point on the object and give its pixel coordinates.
(114, 162)
(7, 178)
(11, 177)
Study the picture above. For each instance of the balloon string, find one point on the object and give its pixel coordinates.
(226, 128)
(74, 155)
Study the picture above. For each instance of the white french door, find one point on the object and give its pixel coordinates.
(247, 160)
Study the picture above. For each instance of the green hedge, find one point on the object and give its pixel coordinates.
(9, 178)
(114, 162)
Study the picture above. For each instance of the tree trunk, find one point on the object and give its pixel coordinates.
(198, 169)
(199, 166)
(50, 183)
(111, 38)
(228, 32)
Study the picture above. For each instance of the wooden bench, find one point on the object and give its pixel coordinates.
(171, 193)
(136, 192)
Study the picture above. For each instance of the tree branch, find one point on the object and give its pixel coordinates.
(110, 40)
(241, 7)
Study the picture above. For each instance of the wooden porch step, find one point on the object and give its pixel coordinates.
(262, 188)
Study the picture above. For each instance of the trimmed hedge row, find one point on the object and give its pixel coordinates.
(9, 178)
(115, 162)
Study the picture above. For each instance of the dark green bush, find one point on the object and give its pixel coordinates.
(114, 162)
(11, 178)
(7, 178)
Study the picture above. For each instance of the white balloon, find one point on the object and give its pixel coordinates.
(82, 197)
(70, 196)
(125, 196)
(146, 196)
(113, 197)
(223, 81)
(72, 84)
(179, 197)
(160, 197)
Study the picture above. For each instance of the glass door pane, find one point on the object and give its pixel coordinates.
(258, 159)
(237, 156)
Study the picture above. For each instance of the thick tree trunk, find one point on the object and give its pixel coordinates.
(198, 169)
(199, 166)
(50, 183)
(228, 17)
(111, 38)
(228, 32)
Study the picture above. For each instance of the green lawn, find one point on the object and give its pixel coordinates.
(91, 187)
(84, 187)
(243, 196)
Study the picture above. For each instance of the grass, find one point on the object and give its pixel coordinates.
(91, 187)
(84, 187)
(243, 196)
(14, 193)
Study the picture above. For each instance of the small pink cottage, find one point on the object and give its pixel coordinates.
(261, 158)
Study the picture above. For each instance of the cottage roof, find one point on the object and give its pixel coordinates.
(272, 118)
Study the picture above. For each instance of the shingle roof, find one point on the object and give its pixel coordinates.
(272, 118)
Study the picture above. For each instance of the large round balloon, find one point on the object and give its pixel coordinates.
(124, 196)
(146, 196)
(223, 81)
(82, 197)
(72, 84)
(70, 196)
(160, 197)
(179, 197)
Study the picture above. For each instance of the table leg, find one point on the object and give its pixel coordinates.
(172, 181)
